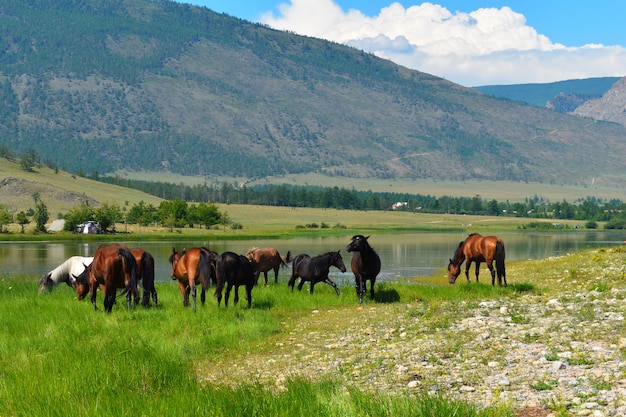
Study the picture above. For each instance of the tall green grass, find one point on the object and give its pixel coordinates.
(58, 357)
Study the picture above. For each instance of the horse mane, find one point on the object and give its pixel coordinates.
(457, 252)
(171, 258)
(251, 250)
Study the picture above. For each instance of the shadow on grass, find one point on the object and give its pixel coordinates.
(386, 296)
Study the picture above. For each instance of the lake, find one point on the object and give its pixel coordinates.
(403, 256)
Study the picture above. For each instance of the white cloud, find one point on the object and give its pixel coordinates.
(486, 46)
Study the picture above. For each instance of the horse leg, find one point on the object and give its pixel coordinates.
(276, 274)
(332, 284)
(184, 293)
(249, 295)
(94, 290)
(193, 295)
(492, 271)
(301, 283)
(372, 288)
(467, 267)
(237, 294)
(265, 277)
(227, 295)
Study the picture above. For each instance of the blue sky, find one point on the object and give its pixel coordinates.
(471, 42)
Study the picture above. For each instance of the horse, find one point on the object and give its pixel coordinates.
(365, 265)
(266, 259)
(192, 267)
(66, 272)
(477, 248)
(145, 274)
(315, 269)
(113, 267)
(234, 270)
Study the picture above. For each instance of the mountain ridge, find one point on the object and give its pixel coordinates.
(176, 88)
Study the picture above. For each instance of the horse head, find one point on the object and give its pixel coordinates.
(46, 283)
(358, 243)
(453, 271)
(174, 258)
(81, 282)
(336, 260)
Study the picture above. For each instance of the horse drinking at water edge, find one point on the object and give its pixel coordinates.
(365, 265)
(477, 248)
(315, 269)
(66, 272)
(266, 259)
(192, 267)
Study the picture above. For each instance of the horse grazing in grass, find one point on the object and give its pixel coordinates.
(266, 259)
(66, 272)
(234, 270)
(145, 274)
(195, 266)
(477, 248)
(315, 269)
(113, 267)
(365, 265)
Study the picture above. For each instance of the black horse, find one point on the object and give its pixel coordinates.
(315, 269)
(234, 270)
(365, 264)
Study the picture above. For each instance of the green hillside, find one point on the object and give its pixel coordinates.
(99, 86)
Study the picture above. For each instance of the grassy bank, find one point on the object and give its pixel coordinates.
(59, 357)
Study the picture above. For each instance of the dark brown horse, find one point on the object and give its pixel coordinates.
(266, 259)
(234, 270)
(192, 267)
(315, 269)
(477, 248)
(113, 267)
(145, 274)
(365, 265)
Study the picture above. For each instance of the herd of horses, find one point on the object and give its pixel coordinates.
(116, 267)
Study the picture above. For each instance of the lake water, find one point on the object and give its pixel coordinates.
(403, 256)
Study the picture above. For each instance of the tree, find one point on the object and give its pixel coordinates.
(108, 215)
(5, 218)
(173, 213)
(41, 215)
(22, 219)
(28, 160)
(79, 214)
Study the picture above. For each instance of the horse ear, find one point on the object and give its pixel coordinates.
(173, 250)
(367, 237)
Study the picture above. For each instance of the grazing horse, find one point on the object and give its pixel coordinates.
(477, 248)
(192, 267)
(365, 265)
(113, 267)
(145, 274)
(266, 259)
(66, 272)
(315, 269)
(234, 270)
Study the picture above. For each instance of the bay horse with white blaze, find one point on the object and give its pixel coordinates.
(315, 269)
(477, 248)
(266, 259)
(234, 270)
(66, 272)
(365, 265)
(113, 267)
(195, 266)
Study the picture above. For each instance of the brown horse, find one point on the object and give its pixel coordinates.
(193, 267)
(477, 248)
(315, 269)
(145, 274)
(113, 267)
(365, 265)
(234, 270)
(266, 259)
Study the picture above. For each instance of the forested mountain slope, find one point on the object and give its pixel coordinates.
(101, 85)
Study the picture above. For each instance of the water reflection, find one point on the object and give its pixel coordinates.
(403, 256)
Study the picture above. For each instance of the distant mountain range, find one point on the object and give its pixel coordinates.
(105, 85)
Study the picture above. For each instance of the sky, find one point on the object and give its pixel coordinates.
(469, 42)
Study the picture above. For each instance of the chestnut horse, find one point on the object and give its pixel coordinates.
(477, 248)
(145, 274)
(192, 267)
(266, 259)
(234, 270)
(315, 269)
(365, 265)
(113, 267)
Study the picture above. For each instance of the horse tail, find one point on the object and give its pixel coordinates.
(500, 255)
(284, 261)
(220, 272)
(204, 268)
(131, 264)
(147, 278)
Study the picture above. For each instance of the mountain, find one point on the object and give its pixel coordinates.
(138, 85)
(610, 107)
(542, 94)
